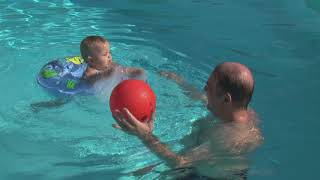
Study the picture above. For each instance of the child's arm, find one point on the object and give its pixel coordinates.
(189, 89)
(36, 107)
(92, 75)
(133, 72)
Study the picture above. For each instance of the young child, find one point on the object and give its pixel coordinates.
(95, 51)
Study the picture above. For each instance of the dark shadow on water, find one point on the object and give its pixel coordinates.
(93, 160)
(97, 175)
(25, 175)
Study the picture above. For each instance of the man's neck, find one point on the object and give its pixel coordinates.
(240, 115)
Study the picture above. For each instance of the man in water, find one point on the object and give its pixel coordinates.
(217, 149)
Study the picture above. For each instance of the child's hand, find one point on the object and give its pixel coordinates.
(134, 72)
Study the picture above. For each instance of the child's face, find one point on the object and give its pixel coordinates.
(100, 57)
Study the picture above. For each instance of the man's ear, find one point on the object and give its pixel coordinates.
(227, 98)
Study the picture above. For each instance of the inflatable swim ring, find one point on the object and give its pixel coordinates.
(62, 77)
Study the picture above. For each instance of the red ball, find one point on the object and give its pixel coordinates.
(135, 95)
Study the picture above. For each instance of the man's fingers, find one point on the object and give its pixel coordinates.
(125, 123)
(151, 124)
(121, 120)
(117, 115)
(117, 126)
(153, 114)
(130, 117)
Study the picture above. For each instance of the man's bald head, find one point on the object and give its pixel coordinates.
(236, 79)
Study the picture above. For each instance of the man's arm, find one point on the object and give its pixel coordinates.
(189, 89)
(129, 124)
(163, 151)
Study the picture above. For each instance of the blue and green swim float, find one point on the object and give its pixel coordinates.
(63, 77)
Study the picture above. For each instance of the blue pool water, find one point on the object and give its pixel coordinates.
(279, 40)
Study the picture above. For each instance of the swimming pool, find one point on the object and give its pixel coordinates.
(277, 39)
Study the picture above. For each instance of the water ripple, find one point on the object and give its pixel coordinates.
(3, 124)
(4, 68)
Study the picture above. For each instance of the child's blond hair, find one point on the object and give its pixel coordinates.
(89, 43)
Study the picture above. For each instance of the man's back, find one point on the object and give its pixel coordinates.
(220, 149)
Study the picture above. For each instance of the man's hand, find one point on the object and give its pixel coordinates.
(129, 124)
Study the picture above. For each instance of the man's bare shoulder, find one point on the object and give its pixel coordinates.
(198, 134)
(237, 138)
(203, 123)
